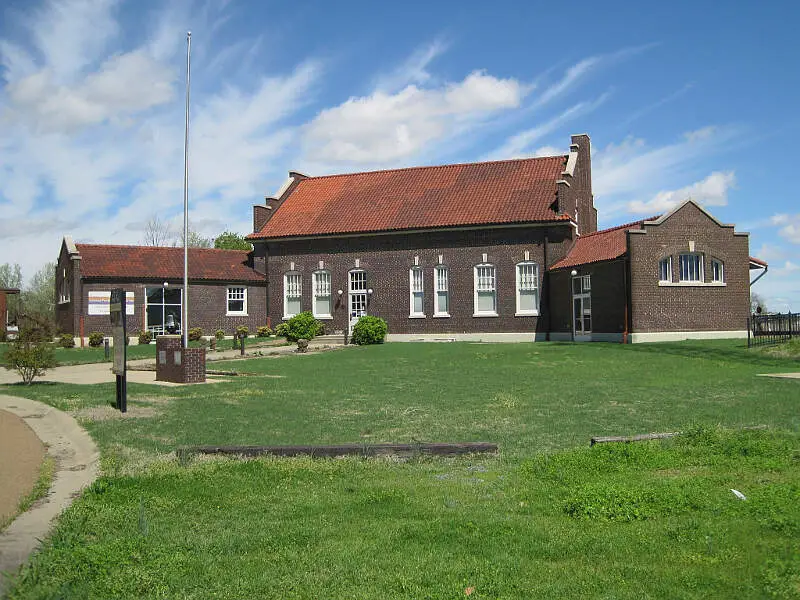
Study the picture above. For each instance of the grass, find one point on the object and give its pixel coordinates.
(626, 521)
(40, 488)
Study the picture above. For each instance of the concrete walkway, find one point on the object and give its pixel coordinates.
(76, 457)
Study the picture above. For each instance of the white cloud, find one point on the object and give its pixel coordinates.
(413, 70)
(385, 127)
(788, 226)
(711, 191)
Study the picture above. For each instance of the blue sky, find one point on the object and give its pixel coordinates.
(681, 99)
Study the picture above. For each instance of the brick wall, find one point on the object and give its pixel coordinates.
(689, 308)
(207, 307)
(179, 365)
(388, 258)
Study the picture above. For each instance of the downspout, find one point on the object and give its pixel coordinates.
(760, 275)
(546, 282)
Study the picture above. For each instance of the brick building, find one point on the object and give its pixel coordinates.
(505, 250)
(224, 289)
(493, 251)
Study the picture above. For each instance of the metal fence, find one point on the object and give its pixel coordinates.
(772, 329)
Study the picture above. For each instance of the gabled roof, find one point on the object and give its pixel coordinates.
(598, 246)
(502, 192)
(164, 263)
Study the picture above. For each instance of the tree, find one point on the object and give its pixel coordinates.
(32, 354)
(156, 232)
(228, 240)
(38, 297)
(756, 302)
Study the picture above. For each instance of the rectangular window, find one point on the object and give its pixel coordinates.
(417, 292)
(441, 300)
(322, 294)
(717, 271)
(163, 309)
(527, 288)
(665, 269)
(237, 301)
(485, 290)
(292, 294)
(691, 267)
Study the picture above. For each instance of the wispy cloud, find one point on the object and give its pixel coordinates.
(638, 114)
(788, 226)
(414, 70)
(711, 191)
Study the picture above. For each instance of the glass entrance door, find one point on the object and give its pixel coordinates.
(357, 298)
(582, 308)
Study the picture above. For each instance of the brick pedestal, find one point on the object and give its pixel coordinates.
(179, 365)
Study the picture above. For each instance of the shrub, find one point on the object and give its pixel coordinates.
(96, 339)
(30, 359)
(242, 329)
(145, 337)
(264, 331)
(195, 333)
(369, 330)
(302, 326)
(67, 340)
(219, 334)
(281, 330)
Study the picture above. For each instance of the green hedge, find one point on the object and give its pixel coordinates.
(369, 330)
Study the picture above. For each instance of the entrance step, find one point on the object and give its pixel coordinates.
(333, 339)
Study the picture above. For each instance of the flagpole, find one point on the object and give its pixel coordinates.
(185, 303)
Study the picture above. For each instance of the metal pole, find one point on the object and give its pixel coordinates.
(185, 303)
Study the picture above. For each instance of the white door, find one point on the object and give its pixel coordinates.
(357, 298)
(582, 308)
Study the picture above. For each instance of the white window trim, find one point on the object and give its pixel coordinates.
(436, 312)
(669, 270)
(525, 313)
(322, 316)
(701, 268)
(476, 312)
(721, 271)
(235, 313)
(411, 313)
(286, 315)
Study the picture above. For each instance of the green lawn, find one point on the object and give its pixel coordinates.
(547, 517)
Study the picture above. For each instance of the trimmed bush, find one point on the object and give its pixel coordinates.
(242, 329)
(30, 359)
(145, 337)
(369, 330)
(195, 333)
(219, 334)
(96, 339)
(302, 326)
(67, 340)
(281, 330)
(264, 331)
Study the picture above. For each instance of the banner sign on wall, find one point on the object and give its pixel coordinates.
(99, 303)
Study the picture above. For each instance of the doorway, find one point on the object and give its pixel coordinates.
(357, 298)
(582, 308)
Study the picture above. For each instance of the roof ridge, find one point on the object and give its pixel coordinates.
(448, 166)
(79, 244)
(617, 227)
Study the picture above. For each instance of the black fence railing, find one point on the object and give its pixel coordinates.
(772, 329)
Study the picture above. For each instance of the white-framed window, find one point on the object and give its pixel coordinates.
(322, 294)
(665, 269)
(63, 296)
(441, 297)
(417, 292)
(527, 288)
(691, 266)
(237, 300)
(485, 291)
(292, 294)
(717, 271)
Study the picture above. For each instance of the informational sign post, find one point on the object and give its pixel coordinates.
(119, 334)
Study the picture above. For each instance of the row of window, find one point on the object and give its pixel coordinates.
(690, 269)
(485, 291)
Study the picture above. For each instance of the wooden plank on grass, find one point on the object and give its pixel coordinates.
(437, 449)
(632, 438)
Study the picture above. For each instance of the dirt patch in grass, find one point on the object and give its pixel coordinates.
(108, 412)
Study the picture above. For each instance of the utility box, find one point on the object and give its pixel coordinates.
(179, 365)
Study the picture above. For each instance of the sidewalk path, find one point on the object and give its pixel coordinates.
(21, 456)
(76, 457)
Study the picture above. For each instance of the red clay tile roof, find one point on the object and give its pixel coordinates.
(606, 244)
(153, 262)
(758, 262)
(510, 191)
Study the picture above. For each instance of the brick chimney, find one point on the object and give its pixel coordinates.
(581, 182)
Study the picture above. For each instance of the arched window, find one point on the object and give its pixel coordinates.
(527, 288)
